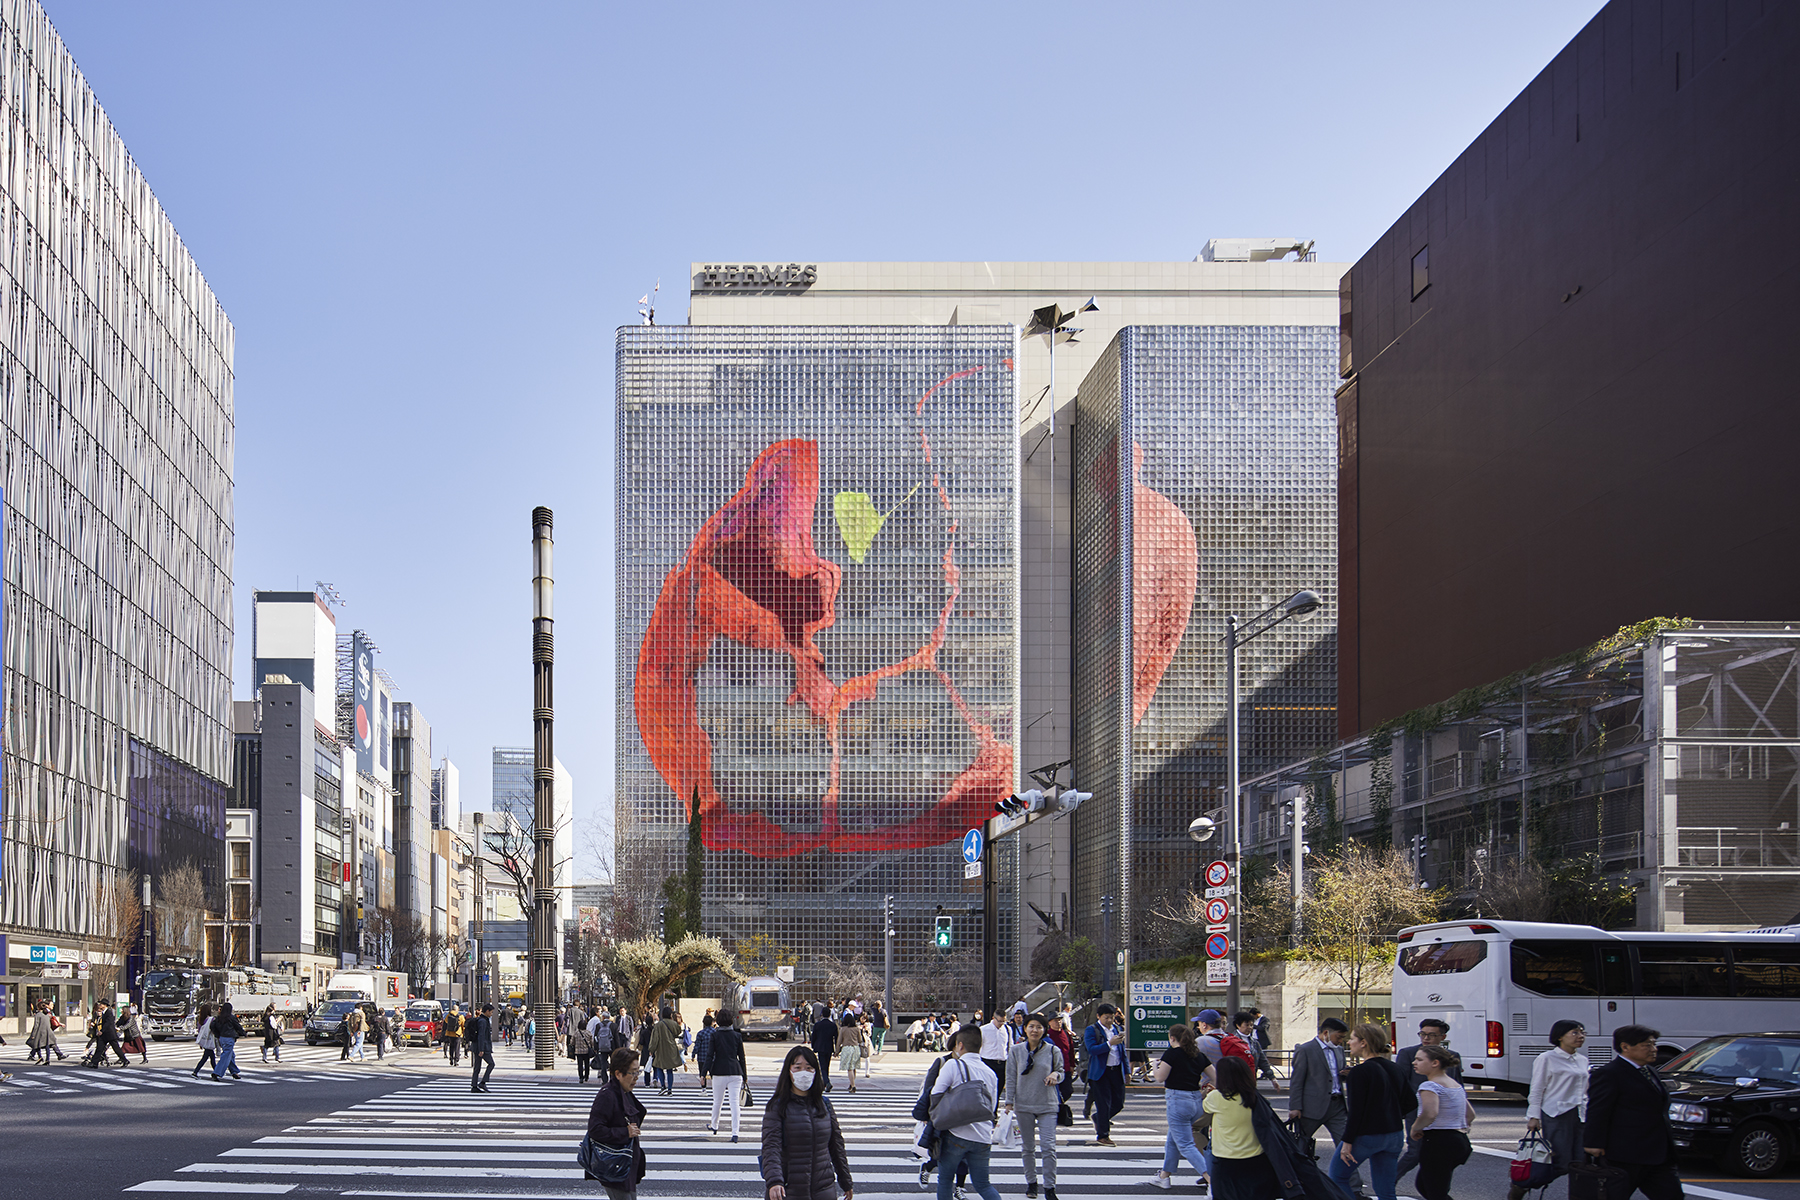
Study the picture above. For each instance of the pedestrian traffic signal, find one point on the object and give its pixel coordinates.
(943, 933)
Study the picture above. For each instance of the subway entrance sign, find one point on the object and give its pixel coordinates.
(1150, 1008)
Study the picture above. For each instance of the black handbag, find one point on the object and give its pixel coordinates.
(609, 1164)
(1065, 1116)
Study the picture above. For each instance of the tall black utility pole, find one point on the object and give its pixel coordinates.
(544, 933)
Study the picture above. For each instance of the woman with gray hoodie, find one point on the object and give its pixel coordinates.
(1034, 1068)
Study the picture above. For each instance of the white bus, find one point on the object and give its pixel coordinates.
(1502, 984)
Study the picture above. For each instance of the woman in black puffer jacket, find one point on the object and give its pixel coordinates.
(615, 1118)
(803, 1156)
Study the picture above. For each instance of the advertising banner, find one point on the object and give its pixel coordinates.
(363, 664)
(1150, 1009)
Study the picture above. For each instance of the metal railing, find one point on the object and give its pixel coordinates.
(1732, 846)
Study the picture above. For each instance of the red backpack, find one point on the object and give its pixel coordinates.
(1237, 1047)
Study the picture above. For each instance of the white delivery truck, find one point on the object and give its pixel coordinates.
(386, 988)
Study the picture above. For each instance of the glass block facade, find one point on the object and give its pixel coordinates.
(116, 459)
(817, 614)
(1205, 486)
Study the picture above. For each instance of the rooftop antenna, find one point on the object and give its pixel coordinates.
(330, 593)
(647, 304)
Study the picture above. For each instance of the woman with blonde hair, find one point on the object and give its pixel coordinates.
(1379, 1097)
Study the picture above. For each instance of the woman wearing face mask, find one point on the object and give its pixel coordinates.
(1034, 1068)
(803, 1155)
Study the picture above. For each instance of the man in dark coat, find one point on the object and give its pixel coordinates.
(481, 1047)
(824, 1041)
(1628, 1116)
(109, 1037)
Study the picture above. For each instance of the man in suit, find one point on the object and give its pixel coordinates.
(480, 1037)
(1628, 1116)
(1316, 1085)
(824, 1041)
(1104, 1041)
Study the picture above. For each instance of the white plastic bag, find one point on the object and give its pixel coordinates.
(1006, 1131)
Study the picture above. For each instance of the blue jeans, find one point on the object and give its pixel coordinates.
(665, 1076)
(1381, 1151)
(954, 1152)
(1182, 1107)
(227, 1057)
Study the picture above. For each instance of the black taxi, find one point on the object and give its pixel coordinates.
(1736, 1099)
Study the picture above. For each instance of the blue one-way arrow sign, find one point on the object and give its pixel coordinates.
(972, 846)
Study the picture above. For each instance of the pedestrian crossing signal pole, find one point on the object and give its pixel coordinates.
(887, 925)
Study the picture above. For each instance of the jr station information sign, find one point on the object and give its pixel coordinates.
(1150, 1009)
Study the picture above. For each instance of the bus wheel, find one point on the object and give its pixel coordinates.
(1757, 1150)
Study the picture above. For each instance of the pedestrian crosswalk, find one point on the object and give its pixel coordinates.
(171, 1065)
(436, 1139)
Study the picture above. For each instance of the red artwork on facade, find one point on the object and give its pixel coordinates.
(753, 576)
(1165, 569)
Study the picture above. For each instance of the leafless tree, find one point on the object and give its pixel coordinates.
(182, 911)
(594, 845)
(121, 912)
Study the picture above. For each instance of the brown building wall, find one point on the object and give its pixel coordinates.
(1590, 415)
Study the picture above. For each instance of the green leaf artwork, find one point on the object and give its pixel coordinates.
(859, 522)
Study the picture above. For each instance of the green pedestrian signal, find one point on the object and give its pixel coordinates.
(943, 933)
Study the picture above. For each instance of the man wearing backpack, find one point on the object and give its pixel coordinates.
(1246, 1031)
(453, 1032)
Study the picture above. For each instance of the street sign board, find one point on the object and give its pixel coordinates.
(1218, 910)
(1150, 1008)
(1217, 945)
(1218, 972)
(1218, 928)
(972, 870)
(1218, 893)
(1218, 873)
(972, 846)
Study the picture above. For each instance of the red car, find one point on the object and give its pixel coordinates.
(424, 1023)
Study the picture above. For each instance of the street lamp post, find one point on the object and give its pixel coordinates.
(1296, 605)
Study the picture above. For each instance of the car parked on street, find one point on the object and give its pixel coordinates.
(1736, 1100)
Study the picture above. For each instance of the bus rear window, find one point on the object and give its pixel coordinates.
(1443, 958)
(1555, 967)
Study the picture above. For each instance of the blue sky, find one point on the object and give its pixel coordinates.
(426, 220)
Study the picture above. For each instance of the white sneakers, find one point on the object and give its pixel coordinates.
(1162, 1180)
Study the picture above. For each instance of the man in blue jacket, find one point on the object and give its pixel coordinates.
(1104, 1041)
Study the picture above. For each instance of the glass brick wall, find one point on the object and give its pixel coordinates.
(1205, 485)
(116, 437)
(817, 619)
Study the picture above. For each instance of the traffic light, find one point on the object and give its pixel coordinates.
(1067, 802)
(944, 936)
(887, 912)
(1022, 804)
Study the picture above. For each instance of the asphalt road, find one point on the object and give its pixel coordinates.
(408, 1127)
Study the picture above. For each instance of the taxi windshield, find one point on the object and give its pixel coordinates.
(1772, 1060)
(336, 1008)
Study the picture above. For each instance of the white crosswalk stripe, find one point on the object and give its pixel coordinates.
(435, 1139)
